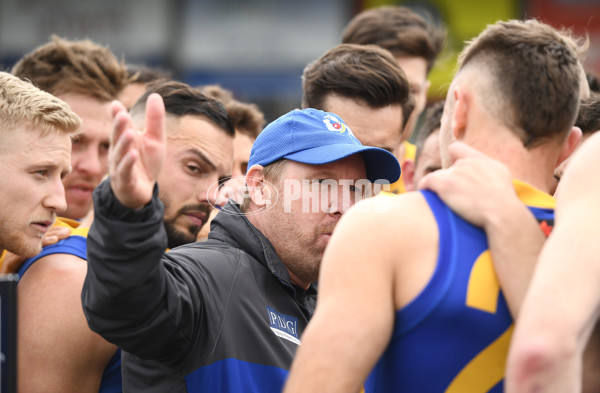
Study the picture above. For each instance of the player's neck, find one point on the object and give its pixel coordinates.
(533, 166)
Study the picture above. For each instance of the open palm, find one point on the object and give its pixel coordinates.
(136, 157)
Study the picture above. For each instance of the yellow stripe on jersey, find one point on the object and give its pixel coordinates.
(483, 288)
(73, 225)
(486, 369)
(532, 196)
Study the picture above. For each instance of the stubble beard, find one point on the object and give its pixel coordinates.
(176, 237)
(20, 244)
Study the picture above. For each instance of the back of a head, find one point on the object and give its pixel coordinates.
(365, 73)
(181, 100)
(588, 118)
(247, 118)
(61, 66)
(529, 77)
(593, 81)
(397, 29)
(21, 103)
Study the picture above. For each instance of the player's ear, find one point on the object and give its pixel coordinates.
(459, 116)
(408, 175)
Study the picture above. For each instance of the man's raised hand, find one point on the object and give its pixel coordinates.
(136, 157)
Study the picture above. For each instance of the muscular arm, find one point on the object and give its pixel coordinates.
(563, 300)
(358, 297)
(57, 352)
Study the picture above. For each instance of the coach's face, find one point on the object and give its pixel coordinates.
(312, 199)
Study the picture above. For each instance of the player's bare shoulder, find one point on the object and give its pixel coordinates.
(404, 234)
(393, 221)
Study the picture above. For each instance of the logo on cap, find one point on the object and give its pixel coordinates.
(334, 124)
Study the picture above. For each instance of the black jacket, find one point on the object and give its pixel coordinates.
(218, 316)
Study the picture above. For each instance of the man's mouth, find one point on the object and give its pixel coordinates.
(81, 189)
(198, 218)
(42, 226)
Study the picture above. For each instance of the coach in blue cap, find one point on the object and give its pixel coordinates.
(225, 315)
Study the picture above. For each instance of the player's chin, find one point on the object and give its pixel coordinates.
(28, 246)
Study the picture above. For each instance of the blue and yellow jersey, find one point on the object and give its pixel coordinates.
(76, 245)
(454, 336)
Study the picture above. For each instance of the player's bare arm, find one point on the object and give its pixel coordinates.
(359, 286)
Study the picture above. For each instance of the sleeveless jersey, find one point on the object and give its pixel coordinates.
(454, 336)
(75, 244)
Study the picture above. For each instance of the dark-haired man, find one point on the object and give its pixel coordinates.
(414, 42)
(365, 87)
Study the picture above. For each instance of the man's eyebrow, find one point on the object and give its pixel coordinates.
(51, 166)
(46, 164)
(203, 157)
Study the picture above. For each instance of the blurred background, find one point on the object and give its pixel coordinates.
(258, 48)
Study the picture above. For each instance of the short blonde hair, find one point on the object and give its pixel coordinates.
(23, 103)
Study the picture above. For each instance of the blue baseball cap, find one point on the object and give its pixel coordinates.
(314, 137)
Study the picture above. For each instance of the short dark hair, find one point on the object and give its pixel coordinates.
(588, 118)
(399, 30)
(366, 73)
(535, 75)
(181, 99)
(593, 81)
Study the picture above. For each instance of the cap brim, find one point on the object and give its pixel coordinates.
(379, 163)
